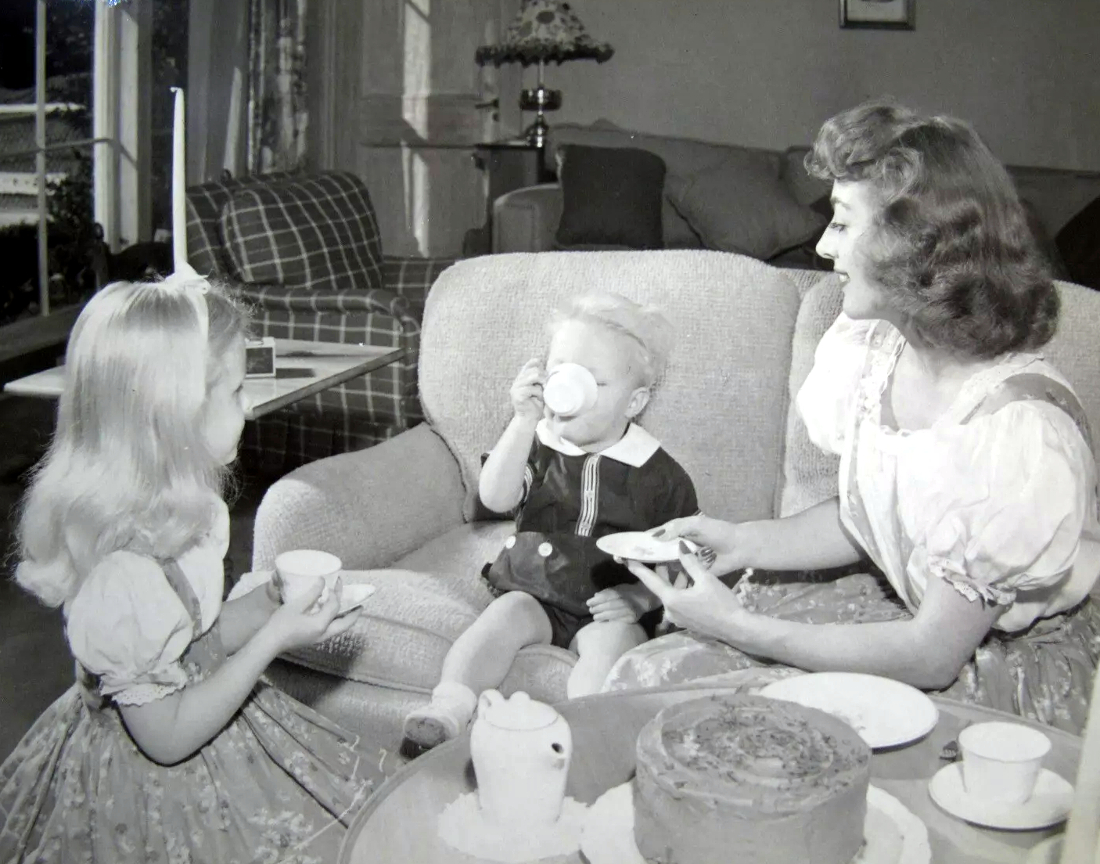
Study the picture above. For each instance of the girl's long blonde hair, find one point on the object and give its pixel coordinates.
(128, 466)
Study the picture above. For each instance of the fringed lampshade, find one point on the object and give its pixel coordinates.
(544, 31)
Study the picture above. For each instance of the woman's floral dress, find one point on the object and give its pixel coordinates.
(278, 784)
(1001, 504)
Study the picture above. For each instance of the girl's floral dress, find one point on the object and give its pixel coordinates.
(1000, 504)
(278, 784)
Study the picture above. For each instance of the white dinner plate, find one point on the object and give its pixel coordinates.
(640, 546)
(892, 833)
(353, 596)
(1048, 805)
(886, 713)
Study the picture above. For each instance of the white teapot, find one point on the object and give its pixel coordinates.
(521, 751)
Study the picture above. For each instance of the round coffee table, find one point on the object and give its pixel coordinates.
(398, 823)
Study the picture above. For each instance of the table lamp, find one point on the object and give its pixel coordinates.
(543, 31)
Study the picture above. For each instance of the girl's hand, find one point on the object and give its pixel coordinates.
(722, 543)
(621, 603)
(706, 605)
(293, 626)
(526, 392)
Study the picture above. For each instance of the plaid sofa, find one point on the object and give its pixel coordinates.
(304, 250)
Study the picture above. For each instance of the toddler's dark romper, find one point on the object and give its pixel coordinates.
(572, 498)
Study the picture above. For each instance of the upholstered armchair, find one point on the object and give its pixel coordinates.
(305, 251)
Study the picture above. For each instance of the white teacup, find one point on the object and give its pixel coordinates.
(299, 570)
(569, 390)
(1001, 761)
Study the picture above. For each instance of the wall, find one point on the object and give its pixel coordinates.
(768, 72)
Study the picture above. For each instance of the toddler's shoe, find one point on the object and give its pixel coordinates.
(442, 719)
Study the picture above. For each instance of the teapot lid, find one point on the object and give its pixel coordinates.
(520, 712)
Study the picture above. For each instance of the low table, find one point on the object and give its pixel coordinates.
(302, 368)
(398, 823)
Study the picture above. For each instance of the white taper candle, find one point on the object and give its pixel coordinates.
(179, 184)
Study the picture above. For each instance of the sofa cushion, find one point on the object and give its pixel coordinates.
(611, 195)
(317, 232)
(803, 186)
(741, 206)
(732, 354)
(809, 474)
(1078, 244)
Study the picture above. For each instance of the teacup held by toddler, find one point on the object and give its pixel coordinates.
(569, 390)
(299, 570)
(1001, 761)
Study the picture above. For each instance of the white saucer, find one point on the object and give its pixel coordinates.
(892, 833)
(640, 546)
(1048, 805)
(353, 595)
(885, 712)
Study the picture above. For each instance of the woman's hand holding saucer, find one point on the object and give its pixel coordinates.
(705, 605)
(721, 539)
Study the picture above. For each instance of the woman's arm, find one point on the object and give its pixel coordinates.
(169, 730)
(927, 651)
(241, 618)
(811, 540)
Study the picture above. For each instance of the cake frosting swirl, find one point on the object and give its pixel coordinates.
(750, 779)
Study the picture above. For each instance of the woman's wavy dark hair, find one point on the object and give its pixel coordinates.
(950, 246)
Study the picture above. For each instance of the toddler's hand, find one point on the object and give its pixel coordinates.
(294, 626)
(621, 603)
(526, 391)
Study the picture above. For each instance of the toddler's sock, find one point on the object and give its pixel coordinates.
(444, 718)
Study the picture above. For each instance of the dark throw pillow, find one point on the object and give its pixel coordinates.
(611, 196)
(1079, 245)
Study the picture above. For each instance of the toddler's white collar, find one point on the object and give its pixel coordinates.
(634, 448)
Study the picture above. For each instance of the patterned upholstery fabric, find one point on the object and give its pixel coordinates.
(360, 412)
(317, 232)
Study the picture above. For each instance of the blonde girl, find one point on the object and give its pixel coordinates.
(168, 747)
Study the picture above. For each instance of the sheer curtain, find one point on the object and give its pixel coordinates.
(277, 114)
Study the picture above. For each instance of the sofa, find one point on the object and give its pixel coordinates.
(404, 510)
(305, 252)
(752, 201)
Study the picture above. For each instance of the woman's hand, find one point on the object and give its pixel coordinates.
(705, 605)
(526, 391)
(727, 541)
(294, 626)
(622, 603)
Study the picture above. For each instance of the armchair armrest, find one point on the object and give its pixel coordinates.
(308, 300)
(369, 507)
(525, 220)
(412, 278)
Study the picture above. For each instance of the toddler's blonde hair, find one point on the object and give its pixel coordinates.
(645, 324)
(128, 466)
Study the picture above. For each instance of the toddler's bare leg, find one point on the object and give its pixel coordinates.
(483, 654)
(599, 645)
(478, 660)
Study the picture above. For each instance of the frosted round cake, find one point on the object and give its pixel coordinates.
(749, 779)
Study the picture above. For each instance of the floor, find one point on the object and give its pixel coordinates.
(35, 664)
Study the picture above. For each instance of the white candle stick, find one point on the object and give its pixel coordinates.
(179, 184)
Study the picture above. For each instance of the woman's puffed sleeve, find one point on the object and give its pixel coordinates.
(827, 396)
(127, 626)
(1005, 500)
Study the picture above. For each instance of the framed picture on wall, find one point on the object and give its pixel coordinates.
(882, 14)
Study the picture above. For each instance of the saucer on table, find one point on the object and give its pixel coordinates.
(885, 712)
(1048, 805)
(892, 833)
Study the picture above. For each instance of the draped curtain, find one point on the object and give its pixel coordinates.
(277, 114)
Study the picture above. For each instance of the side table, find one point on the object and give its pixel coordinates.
(510, 164)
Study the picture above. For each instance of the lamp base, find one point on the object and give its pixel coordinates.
(540, 100)
(536, 134)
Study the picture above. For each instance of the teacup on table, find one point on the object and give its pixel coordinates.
(1001, 761)
(298, 571)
